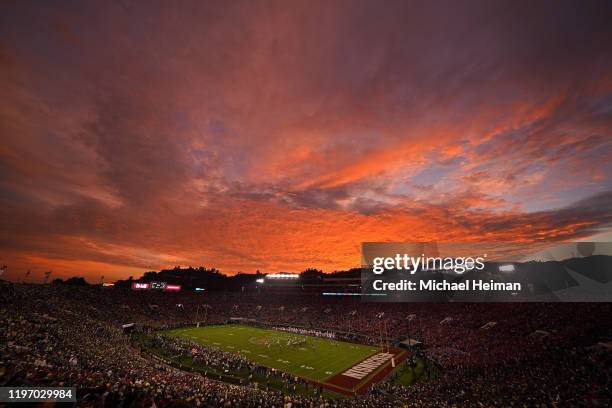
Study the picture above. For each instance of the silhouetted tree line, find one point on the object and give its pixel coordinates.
(213, 279)
(552, 273)
(75, 281)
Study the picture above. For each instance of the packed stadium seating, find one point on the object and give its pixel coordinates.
(534, 355)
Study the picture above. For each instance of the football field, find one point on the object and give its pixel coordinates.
(308, 357)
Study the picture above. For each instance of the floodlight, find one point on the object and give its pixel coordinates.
(283, 276)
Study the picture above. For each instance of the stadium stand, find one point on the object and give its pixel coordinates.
(60, 335)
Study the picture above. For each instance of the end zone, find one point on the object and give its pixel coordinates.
(357, 379)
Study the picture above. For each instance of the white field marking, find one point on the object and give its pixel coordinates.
(230, 347)
(262, 355)
(216, 344)
(246, 351)
(303, 349)
(230, 334)
(328, 373)
(367, 366)
(283, 361)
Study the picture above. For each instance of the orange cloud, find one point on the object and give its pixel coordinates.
(278, 138)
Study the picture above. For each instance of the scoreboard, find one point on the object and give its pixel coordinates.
(166, 287)
(158, 285)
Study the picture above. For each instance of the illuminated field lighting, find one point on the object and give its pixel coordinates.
(199, 289)
(506, 268)
(107, 285)
(260, 280)
(282, 276)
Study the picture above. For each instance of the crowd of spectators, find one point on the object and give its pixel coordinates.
(534, 354)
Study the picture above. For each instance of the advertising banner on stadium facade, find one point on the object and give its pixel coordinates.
(486, 272)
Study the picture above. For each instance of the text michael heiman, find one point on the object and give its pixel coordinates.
(444, 285)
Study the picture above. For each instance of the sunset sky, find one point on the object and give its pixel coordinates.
(279, 135)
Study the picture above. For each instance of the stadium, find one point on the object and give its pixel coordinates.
(306, 203)
(285, 342)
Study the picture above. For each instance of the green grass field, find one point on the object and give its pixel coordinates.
(317, 359)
